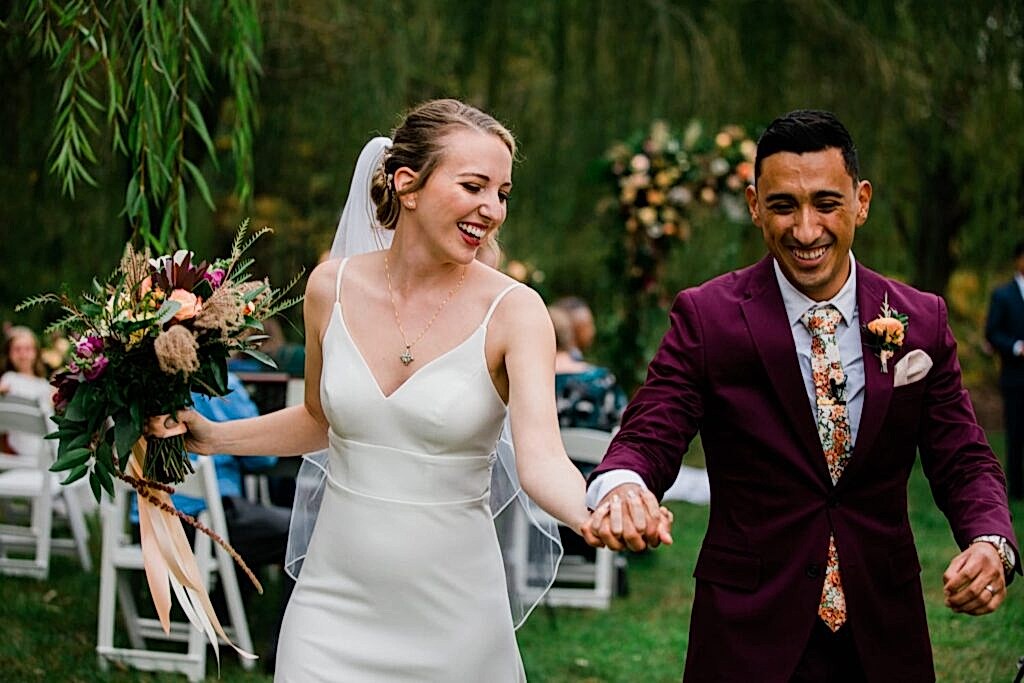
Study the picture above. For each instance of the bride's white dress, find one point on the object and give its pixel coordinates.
(403, 580)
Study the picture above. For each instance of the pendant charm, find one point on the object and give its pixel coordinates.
(406, 357)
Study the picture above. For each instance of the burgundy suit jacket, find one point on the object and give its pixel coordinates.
(728, 368)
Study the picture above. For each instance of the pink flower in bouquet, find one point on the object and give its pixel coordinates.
(190, 304)
(87, 359)
(145, 286)
(99, 364)
(215, 276)
(87, 347)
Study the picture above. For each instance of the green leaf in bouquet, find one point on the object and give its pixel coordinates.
(126, 431)
(135, 410)
(104, 470)
(91, 310)
(94, 484)
(212, 378)
(80, 440)
(249, 296)
(261, 357)
(167, 311)
(239, 272)
(254, 323)
(83, 406)
(73, 458)
(76, 474)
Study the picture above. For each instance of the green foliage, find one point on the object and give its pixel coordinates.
(143, 66)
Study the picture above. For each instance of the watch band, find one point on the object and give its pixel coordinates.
(1002, 546)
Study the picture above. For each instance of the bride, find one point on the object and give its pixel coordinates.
(414, 353)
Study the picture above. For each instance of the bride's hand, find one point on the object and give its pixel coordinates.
(197, 429)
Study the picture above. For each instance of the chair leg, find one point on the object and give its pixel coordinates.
(42, 523)
(233, 599)
(129, 613)
(106, 613)
(76, 520)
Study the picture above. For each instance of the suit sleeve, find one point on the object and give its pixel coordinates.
(665, 414)
(997, 325)
(966, 479)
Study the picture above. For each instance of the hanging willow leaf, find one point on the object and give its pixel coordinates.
(139, 70)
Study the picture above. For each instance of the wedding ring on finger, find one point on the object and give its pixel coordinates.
(990, 589)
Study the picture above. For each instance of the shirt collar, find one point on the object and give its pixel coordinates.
(797, 303)
(1019, 278)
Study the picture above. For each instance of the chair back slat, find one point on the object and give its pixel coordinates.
(23, 415)
(585, 445)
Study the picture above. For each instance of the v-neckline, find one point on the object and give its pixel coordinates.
(369, 371)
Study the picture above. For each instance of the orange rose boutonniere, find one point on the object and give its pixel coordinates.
(885, 334)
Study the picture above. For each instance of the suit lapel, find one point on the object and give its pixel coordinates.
(877, 385)
(766, 320)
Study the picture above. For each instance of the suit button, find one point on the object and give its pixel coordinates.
(833, 501)
(812, 571)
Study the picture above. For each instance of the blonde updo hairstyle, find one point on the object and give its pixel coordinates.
(418, 145)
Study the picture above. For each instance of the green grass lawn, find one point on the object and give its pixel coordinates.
(50, 627)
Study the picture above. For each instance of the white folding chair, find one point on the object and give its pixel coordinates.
(581, 581)
(121, 554)
(26, 478)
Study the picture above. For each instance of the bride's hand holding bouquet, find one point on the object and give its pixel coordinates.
(197, 430)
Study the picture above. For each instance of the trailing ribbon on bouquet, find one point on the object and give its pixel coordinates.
(168, 559)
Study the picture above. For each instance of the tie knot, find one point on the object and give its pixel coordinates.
(822, 320)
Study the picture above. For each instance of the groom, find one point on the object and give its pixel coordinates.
(811, 426)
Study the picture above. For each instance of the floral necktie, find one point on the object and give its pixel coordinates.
(834, 430)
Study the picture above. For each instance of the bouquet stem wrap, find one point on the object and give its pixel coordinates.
(167, 461)
(170, 564)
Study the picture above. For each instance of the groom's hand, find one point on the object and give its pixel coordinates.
(974, 583)
(629, 517)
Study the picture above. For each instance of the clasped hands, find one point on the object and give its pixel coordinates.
(628, 517)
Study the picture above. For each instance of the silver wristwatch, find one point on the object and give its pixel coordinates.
(1002, 546)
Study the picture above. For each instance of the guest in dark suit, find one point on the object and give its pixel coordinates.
(1004, 330)
(811, 426)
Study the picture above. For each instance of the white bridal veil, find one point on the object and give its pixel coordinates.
(530, 545)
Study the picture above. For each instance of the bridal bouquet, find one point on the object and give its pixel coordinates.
(156, 330)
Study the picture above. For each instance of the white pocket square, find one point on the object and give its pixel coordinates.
(911, 368)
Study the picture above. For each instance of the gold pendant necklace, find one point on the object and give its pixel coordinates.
(407, 356)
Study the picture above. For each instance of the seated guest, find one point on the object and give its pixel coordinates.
(22, 374)
(582, 321)
(587, 395)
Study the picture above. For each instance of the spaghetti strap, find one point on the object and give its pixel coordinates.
(337, 284)
(497, 300)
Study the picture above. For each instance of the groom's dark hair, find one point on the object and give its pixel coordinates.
(807, 130)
